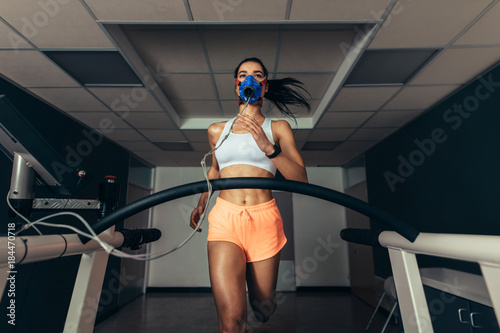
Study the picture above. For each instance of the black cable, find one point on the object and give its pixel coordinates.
(316, 191)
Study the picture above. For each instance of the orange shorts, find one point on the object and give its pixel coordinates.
(257, 230)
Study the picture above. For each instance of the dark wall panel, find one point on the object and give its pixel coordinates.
(43, 290)
(441, 172)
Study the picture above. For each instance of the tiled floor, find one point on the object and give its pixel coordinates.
(304, 311)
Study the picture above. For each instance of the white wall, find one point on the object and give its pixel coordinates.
(320, 255)
(188, 266)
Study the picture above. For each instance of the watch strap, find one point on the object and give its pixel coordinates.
(277, 151)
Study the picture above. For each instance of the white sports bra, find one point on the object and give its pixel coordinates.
(242, 149)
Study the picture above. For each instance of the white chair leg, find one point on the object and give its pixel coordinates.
(389, 318)
(375, 312)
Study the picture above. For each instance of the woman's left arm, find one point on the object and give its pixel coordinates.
(289, 162)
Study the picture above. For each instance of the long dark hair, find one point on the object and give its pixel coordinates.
(282, 92)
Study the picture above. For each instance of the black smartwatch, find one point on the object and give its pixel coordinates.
(277, 151)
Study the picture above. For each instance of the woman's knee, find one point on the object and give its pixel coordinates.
(232, 324)
(264, 309)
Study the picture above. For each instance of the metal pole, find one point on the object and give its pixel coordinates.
(410, 292)
(87, 292)
(22, 180)
(491, 274)
(22, 183)
(53, 246)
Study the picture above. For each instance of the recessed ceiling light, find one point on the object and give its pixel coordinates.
(384, 67)
(96, 68)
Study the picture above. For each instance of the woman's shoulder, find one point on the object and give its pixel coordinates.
(281, 130)
(215, 130)
(281, 125)
(217, 127)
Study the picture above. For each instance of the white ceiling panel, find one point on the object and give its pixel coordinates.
(203, 147)
(300, 134)
(226, 11)
(187, 86)
(194, 156)
(230, 108)
(100, 120)
(418, 98)
(137, 146)
(338, 9)
(362, 98)
(31, 68)
(365, 134)
(149, 120)
(484, 31)
(312, 51)
(197, 109)
(357, 146)
(226, 87)
(426, 23)
(227, 48)
(57, 24)
(159, 158)
(314, 154)
(298, 111)
(339, 134)
(392, 118)
(196, 135)
(343, 119)
(170, 50)
(163, 135)
(139, 10)
(148, 154)
(443, 70)
(316, 84)
(127, 99)
(70, 99)
(343, 155)
(9, 39)
(340, 161)
(123, 135)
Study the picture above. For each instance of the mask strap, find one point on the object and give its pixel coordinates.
(262, 83)
(260, 101)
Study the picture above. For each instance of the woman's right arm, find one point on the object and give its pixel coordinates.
(214, 132)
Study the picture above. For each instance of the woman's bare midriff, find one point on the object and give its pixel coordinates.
(245, 197)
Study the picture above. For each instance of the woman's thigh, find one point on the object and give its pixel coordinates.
(227, 265)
